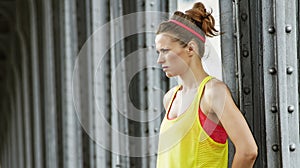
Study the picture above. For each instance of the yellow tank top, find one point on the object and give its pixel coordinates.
(184, 144)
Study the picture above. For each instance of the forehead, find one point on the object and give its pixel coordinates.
(163, 40)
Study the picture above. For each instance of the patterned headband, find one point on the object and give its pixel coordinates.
(188, 29)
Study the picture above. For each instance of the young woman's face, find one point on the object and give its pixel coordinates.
(172, 56)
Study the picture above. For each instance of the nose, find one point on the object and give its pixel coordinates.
(160, 59)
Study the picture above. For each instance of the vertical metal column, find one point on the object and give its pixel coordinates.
(49, 94)
(101, 80)
(239, 72)
(94, 20)
(228, 53)
(227, 45)
(269, 69)
(12, 125)
(292, 81)
(37, 127)
(286, 52)
(87, 110)
(15, 57)
(280, 59)
(252, 73)
(26, 107)
(246, 62)
(258, 121)
(25, 94)
(156, 86)
(58, 75)
(281, 62)
(19, 120)
(119, 89)
(9, 135)
(67, 50)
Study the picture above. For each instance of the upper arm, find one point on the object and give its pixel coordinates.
(230, 116)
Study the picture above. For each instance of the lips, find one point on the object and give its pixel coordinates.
(164, 67)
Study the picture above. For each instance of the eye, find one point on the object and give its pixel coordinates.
(164, 51)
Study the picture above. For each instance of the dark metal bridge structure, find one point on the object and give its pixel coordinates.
(79, 87)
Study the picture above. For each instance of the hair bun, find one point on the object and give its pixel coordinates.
(202, 19)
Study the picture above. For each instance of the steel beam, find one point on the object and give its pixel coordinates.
(286, 52)
(44, 9)
(100, 35)
(227, 45)
(35, 74)
(25, 95)
(119, 90)
(269, 69)
(19, 121)
(66, 45)
(228, 53)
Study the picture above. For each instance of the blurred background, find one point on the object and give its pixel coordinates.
(80, 87)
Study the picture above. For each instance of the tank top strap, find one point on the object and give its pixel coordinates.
(201, 87)
(172, 98)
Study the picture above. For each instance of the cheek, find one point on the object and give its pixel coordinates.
(177, 61)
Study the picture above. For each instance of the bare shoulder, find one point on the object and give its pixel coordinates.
(215, 88)
(215, 96)
(217, 99)
(168, 96)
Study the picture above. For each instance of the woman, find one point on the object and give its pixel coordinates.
(200, 113)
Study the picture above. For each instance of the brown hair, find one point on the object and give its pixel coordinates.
(197, 19)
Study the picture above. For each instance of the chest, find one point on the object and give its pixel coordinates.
(181, 103)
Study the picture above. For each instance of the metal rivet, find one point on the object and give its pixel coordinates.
(237, 75)
(151, 3)
(291, 109)
(272, 71)
(274, 109)
(235, 35)
(244, 16)
(289, 70)
(288, 28)
(155, 129)
(271, 30)
(292, 147)
(245, 53)
(275, 148)
(246, 90)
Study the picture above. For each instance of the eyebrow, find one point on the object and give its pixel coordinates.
(157, 51)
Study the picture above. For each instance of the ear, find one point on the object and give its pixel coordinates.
(192, 47)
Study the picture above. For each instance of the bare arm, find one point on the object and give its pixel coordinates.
(233, 121)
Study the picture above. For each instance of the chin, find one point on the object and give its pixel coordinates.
(169, 75)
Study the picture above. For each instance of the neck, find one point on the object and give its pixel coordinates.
(192, 78)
